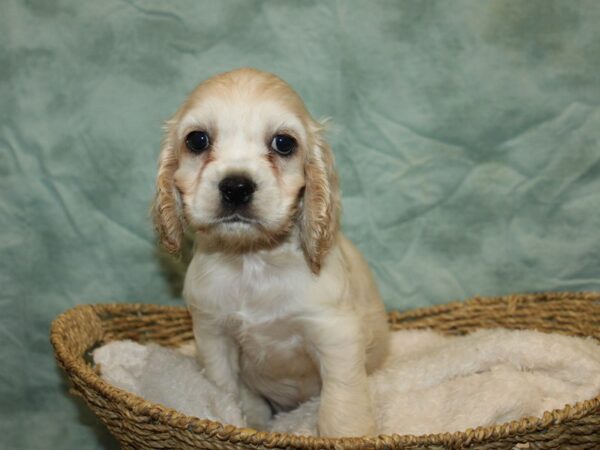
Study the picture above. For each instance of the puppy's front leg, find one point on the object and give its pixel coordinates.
(219, 356)
(339, 349)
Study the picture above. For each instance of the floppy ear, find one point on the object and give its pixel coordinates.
(319, 221)
(166, 210)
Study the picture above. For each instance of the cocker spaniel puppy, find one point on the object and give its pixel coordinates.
(283, 305)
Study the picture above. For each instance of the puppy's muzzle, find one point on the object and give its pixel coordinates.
(236, 191)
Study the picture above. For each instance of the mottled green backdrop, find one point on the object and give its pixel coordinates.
(467, 134)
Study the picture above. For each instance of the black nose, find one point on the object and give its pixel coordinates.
(236, 190)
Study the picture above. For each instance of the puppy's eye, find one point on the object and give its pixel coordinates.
(197, 141)
(283, 144)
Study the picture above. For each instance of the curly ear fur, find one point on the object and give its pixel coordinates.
(166, 208)
(321, 203)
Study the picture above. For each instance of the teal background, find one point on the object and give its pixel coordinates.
(467, 136)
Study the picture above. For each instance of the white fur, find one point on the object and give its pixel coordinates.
(163, 376)
(430, 383)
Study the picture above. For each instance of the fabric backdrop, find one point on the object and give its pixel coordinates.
(467, 136)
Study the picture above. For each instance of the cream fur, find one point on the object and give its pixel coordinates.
(283, 307)
(429, 384)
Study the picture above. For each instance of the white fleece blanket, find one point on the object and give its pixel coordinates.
(429, 384)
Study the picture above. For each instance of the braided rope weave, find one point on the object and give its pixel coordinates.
(141, 425)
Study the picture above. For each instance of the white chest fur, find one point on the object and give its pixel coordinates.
(259, 300)
(254, 288)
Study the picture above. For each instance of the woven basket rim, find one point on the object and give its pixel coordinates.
(248, 436)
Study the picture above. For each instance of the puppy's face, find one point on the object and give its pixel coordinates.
(236, 161)
(242, 145)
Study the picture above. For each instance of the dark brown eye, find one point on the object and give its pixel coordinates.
(283, 144)
(197, 141)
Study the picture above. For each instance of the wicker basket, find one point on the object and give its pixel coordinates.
(139, 424)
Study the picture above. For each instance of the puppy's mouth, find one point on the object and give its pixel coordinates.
(236, 218)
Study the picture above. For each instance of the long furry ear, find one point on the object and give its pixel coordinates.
(166, 210)
(321, 203)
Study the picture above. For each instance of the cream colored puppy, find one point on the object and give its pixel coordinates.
(283, 305)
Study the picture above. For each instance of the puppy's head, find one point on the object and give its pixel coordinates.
(244, 163)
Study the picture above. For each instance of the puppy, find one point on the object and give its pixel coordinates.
(283, 306)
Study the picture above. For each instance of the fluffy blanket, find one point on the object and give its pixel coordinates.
(429, 384)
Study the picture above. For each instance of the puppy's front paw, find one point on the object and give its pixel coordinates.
(351, 422)
(255, 409)
(225, 407)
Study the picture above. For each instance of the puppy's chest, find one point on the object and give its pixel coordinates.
(261, 306)
(247, 293)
